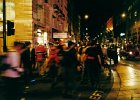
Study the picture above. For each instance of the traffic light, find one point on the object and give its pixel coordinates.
(10, 28)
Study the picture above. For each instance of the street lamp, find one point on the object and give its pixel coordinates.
(123, 15)
(86, 16)
(123, 24)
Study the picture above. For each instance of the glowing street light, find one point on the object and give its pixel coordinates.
(86, 16)
(123, 15)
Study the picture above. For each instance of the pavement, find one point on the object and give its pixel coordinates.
(40, 89)
(122, 84)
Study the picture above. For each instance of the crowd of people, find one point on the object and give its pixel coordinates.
(16, 69)
(61, 62)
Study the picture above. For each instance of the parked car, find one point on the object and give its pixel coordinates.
(131, 52)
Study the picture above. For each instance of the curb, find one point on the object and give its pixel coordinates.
(113, 94)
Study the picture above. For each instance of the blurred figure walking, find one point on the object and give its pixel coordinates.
(59, 61)
(32, 57)
(12, 88)
(69, 66)
(26, 61)
(40, 52)
(93, 64)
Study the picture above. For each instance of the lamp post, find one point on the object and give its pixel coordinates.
(84, 26)
(123, 27)
(4, 26)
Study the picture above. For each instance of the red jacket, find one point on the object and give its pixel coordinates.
(40, 52)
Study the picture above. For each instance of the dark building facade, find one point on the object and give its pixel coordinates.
(129, 22)
(73, 21)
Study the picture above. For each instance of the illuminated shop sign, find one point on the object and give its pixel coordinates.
(60, 35)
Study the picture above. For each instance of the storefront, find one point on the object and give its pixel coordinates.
(41, 37)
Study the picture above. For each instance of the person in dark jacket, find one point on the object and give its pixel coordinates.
(69, 67)
(112, 54)
(27, 64)
(32, 58)
(93, 64)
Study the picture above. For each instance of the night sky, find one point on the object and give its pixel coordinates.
(98, 10)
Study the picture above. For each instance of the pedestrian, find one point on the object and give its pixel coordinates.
(104, 50)
(70, 68)
(115, 56)
(85, 76)
(12, 88)
(112, 54)
(79, 54)
(100, 53)
(32, 57)
(59, 60)
(93, 64)
(27, 64)
(40, 52)
(52, 62)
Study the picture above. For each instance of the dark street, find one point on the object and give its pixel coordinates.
(121, 86)
(69, 49)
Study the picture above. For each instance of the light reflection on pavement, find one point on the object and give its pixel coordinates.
(129, 81)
